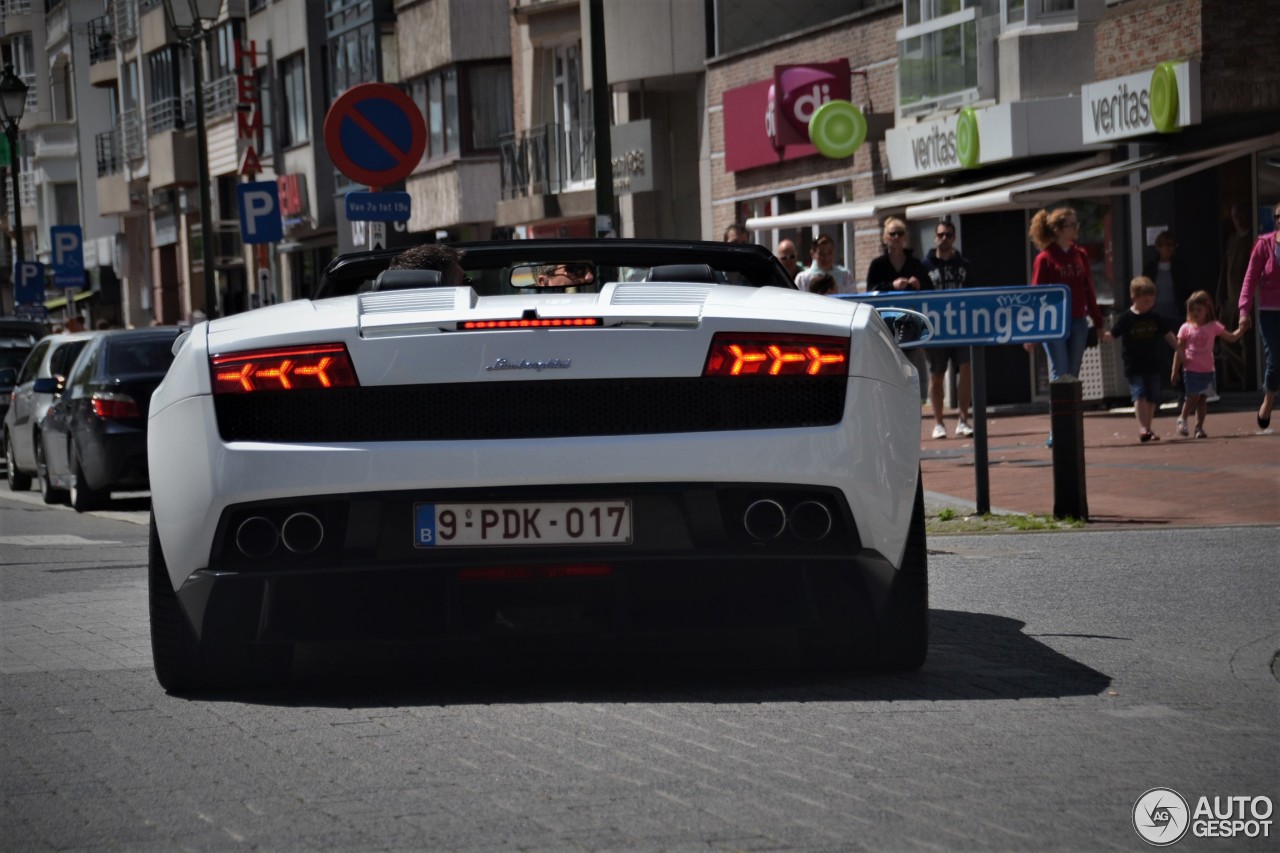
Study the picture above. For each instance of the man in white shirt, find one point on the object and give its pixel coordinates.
(824, 261)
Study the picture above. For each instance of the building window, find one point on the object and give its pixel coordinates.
(262, 84)
(294, 129)
(467, 107)
(353, 58)
(488, 104)
(937, 54)
(168, 84)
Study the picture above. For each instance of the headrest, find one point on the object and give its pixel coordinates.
(682, 272)
(407, 279)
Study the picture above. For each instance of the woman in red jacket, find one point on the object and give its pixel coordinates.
(1061, 261)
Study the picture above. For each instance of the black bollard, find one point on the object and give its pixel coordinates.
(1066, 419)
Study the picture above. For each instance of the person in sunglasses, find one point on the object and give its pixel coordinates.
(786, 253)
(948, 270)
(896, 268)
(566, 275)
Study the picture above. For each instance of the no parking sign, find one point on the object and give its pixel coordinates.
(375, 134)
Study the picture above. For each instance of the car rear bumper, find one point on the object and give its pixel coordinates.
(819, 602)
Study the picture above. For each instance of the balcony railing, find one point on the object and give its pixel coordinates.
(169, 114)
(132, 137)
(107, 147)
(546, 160)
(54, 140)
(26, 191)
(102, 44)
(220, 97)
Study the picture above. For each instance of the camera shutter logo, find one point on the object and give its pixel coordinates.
(1161, 816)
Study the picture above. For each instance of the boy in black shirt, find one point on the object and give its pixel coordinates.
(1143, 334)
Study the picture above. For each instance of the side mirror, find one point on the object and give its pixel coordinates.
(8, 376)
(910, 328)
(49, 385)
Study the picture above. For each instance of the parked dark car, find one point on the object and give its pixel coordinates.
(17, 337)
(40, 380)
(94, 439)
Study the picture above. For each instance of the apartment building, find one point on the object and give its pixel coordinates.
(52, 46)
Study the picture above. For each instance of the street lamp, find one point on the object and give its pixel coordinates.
(13, 102)
(190, 20)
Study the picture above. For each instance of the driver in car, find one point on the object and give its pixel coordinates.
(565, 275)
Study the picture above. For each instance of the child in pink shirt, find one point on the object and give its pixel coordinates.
(1195, 358)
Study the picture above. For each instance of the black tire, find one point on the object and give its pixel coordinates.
(50, 494)
(175, 651)
(903, 643)
(83, 498)
(18, 481)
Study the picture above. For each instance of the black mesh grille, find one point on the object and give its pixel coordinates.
(531, 409)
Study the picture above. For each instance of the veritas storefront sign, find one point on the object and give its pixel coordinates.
(1157, 101)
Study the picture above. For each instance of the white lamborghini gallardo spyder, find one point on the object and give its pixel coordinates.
(589, 446)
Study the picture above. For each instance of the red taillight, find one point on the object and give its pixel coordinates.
(283, 369)
(535, 573)
(114, 406)
(477, 325)
(753, 354)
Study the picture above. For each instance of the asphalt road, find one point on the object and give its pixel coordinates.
(1068, 674)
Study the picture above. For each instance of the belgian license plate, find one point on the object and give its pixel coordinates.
(541, 523)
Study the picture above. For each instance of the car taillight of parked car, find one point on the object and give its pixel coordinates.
(113, 406)
(283, 369)
(754, 354)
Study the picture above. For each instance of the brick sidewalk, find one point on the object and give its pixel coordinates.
(1233, 477)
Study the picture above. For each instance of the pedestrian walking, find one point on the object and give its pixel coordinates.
(1144, 333)
(948, 269)
(1062, 261)
(1262, 286)
(1194, 357)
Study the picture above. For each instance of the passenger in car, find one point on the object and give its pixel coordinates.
(432, 256)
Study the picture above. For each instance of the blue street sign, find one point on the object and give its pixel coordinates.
(983, 316)
(378, 207)
(67, 244)
(260, 212)
(28, 283)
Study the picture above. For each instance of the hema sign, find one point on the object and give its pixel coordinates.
(1158, 101)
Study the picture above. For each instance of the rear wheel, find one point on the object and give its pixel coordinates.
(50, 494)
(84, 498)
(175, 650)
(903, 642)
(18, 481)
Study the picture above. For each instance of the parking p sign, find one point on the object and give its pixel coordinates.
(260, 212)
(67, 243)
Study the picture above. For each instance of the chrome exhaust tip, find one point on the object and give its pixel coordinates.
(302, 533)
(256, 537)
(810, 521)
(765, 520)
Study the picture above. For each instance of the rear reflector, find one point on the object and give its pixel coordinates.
(283, 369)
(535, 573)
(755, 354)
(478, 325)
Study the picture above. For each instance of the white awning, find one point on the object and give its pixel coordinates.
(874, 207)
(1094, 181)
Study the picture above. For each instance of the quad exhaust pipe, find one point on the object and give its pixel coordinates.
(257, 536)
(765, 520)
